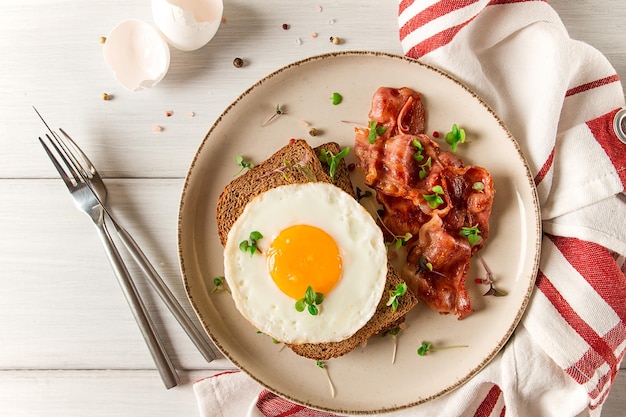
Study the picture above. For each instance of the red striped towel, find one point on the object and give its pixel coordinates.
(559, 98)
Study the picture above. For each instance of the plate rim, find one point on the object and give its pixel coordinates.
(535, 203)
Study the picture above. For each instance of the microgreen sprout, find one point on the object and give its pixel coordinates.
(434, 200)
(472, 234)
(393, 298)
(424, 265)
(424, 168)
(478, 186)
(322, 366)
(420, 148)
(394, 335)
(360, 194)
(310, 301)
(274, 340)
(277, 112)
(455, 136)
(242, 163)
(301, 166)
(336, 98)
(250, 245)
(426, 347)
(400, 241)
(375, 131)
(219, 284)
(332, 160)
(489, 280)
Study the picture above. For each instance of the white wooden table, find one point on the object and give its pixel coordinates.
(68, 343)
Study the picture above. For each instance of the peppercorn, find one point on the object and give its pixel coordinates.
(238, 62)
(285, 26)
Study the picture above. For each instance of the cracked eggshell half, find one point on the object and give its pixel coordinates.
(137, 54)
(188, 24)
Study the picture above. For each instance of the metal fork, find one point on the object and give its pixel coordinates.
(92, 178)
(87, 202)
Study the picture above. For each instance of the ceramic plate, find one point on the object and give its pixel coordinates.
(365, 380)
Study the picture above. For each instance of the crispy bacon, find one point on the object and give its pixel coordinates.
(397, 111)
(436, 268)
(438, 255)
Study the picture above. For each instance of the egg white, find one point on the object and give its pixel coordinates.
(353, 301)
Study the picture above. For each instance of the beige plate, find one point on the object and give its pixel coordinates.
(365, 379)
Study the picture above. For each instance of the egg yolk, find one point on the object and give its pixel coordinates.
(304, 255)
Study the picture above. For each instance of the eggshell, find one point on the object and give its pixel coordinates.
(188, 24)
(137, 54)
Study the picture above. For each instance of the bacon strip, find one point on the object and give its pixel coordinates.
(438, 255)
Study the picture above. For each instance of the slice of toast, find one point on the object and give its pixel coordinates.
(297, 162)
(294, 163)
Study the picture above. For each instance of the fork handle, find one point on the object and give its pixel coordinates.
(166, 295)
(155, 345)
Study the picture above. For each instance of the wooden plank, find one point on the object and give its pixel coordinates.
(62, 304)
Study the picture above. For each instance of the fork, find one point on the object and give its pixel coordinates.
(87, 201)
(93, 179)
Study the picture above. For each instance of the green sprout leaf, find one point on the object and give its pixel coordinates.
(478, 186)
(242, 163)
(471, 233)
(250, 245)
(332, 160)
(426, 347)
(424, 168)
(310, 301)
(393, 298)
(375, 131)
(336, 99)
(435, 200)
(400, 241)
(455, 136)
(417, 156)
(219, 284)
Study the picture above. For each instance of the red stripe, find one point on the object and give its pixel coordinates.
(431, 13)
(597, 265)
(545, 168)
(444, 37)
(574, 320)
(436, 41)
(403, 5)
(216, 375)
(602, 130)
(489, 403)
(271, 405)
(591, 85)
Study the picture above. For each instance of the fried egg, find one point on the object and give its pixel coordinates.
(313, 235)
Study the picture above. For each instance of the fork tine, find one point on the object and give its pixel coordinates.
(78, 165)
(68, 160)
(91, 169)
(89, 173)
(68, 182)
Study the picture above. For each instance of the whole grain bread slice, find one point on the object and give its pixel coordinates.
(295, 163)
